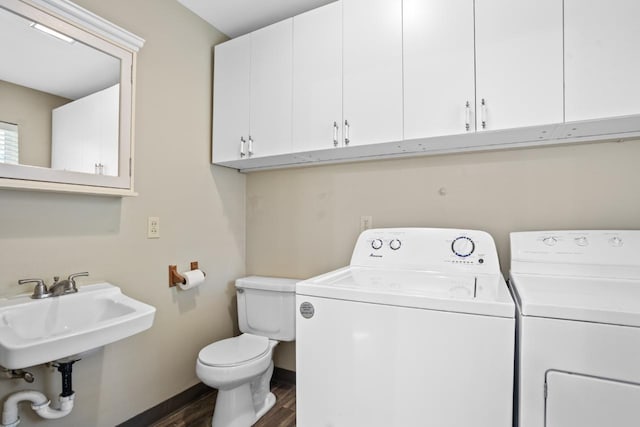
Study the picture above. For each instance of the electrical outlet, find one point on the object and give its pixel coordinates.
(153, 227)
(366, 222)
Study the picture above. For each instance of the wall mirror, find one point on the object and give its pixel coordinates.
(66, 99)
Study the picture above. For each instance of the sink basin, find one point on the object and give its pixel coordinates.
(38, 331)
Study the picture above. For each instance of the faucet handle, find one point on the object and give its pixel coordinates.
(72, 278)
(39, 282)
(40, 290)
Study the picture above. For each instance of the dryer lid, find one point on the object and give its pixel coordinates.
(586, 299)
(234, 351)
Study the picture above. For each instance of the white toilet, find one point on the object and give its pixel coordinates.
(241, 367)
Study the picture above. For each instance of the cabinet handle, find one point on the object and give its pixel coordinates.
(467, 123)
(242, 141)
(250, 146)
(346, 133)
(483, 113)
(335, 134)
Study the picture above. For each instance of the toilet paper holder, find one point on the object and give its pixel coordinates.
(175, 277)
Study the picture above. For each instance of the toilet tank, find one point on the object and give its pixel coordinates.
(266, 307)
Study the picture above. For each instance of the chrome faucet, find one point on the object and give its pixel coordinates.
(66, 286)
(59, 287)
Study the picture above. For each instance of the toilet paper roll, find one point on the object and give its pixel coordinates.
(192, 279)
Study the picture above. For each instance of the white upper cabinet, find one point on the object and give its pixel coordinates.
(317, 79)
(602, 58)
(359, 79)
(252, 94)
(439, 89)
(372, 71)
(231, 100)
(83, 131)
(271, 86)
(519, 63)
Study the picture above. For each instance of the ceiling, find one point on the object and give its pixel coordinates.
(237, 17)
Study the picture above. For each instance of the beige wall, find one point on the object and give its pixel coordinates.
(202, 217)
(31, 110)
(299, 222)
(303, 222)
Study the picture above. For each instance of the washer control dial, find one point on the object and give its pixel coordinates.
(463, 246)
(550, 241)
(395, 244)
(376, 244)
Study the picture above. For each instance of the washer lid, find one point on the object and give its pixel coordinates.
(462, 293)
(234, 351)
(611, 301)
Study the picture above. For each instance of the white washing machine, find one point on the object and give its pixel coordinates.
(418, 330)
(578, 298)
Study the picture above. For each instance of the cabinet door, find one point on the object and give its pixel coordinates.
(518, 63)
(68, 140)
(109, 100)
(231, 97)
(438, 67)
(317, 78)
(271, 81)
(372, 71)
(602, 58)
(85, 133)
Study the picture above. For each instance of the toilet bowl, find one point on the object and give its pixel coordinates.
(241, 367)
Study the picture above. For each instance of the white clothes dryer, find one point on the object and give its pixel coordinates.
(578, 300)
(418, 330)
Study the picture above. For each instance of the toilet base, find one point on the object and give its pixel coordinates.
(268, 404)
(244, 405)
(234, 408)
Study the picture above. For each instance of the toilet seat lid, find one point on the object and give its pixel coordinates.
(234, 351)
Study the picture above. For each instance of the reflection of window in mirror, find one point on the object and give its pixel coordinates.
(8, 143)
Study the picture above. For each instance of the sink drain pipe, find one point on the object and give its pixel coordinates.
(39, 402)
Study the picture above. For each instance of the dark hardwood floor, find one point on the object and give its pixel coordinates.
(199, 412)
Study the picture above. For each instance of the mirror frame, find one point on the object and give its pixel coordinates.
(94, 31)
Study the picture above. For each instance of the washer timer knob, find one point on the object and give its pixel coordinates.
(395, 244)
(376, 244)
(463, 246)
(550, 241)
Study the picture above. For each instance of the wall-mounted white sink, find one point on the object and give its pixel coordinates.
(36, 331)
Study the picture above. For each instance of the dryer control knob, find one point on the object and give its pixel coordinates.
(376, 244)
(581, 241)
(615, 242)
(550, 241)
(395, 244)
(463, 246)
